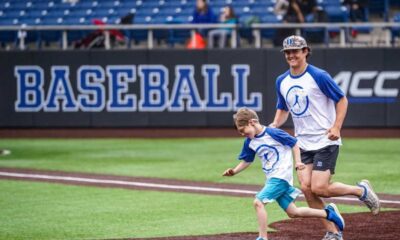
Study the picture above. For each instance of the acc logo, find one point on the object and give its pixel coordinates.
(297, 100)
(269, 156)
(369, 86)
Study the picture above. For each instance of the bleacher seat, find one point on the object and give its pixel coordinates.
(269, 18)
(329, 3)
(56, 12)
(336, 14)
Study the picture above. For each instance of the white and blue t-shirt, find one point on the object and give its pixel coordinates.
(311, 98)
(274, 148)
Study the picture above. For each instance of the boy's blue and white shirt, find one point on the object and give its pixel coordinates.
(274, 148)
(311, 98)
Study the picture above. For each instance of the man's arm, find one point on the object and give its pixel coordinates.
(240, 167)
(281, 117)
(297, 159)
(341, 110)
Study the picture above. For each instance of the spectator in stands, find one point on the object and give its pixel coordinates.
(228, 17)
(203, 14)
(357, 9)
(298, 11)
(281, 7)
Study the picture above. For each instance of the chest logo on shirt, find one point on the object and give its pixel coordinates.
(297, 100)
(269, 156)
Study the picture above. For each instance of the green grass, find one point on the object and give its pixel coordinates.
(51, 211)
(195, 159)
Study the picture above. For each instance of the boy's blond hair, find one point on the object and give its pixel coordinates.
(243, 115)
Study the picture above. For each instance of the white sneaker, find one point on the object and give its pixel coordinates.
(4, 152)
(369, 197)
(333, 236)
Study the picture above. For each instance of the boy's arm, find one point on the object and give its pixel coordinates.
(281, 117)
(297, 159)
(233, 171)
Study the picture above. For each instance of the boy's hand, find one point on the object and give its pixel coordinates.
(300, 166)
(229, 172)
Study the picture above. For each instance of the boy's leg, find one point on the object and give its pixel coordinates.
(261, 218)
(272, 190)
(330, 213)
(304, 212)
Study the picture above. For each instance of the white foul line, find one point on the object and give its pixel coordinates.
(153, 185)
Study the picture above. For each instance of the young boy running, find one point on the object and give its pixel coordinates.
(274, 147)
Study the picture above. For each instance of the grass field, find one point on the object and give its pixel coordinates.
(52, 211)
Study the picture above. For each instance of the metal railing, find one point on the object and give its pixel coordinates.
(256, 28)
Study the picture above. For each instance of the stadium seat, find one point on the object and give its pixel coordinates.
(36, 13)
(269, 33)
(336, 14)
(329, 3)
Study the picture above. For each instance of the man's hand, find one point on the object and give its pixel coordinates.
(229, 172)
(273, 125)
(333, 133)
(300, 166)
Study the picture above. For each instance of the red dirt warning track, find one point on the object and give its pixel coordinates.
(360, 226)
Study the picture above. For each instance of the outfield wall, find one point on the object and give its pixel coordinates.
(180, 88)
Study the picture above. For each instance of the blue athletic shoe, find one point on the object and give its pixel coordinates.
(260, 238)
(333, 215)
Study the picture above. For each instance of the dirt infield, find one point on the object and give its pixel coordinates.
(169, 132)
(360, 226)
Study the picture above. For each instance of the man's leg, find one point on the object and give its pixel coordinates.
(313, 201)
(322, 186)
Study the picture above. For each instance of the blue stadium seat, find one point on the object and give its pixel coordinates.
(11, 13)
(129, 4)
(57, 13)
(52, 20)
(81, 13)
(337, 14)
(36, 13)
(20, 5)
(86, 4)
(109, 4)
(104, 12)
(64, 6)
(269, 18)
(41, 5)
(187, 10)
(170, 11)
(8, 21)
(329, 3)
